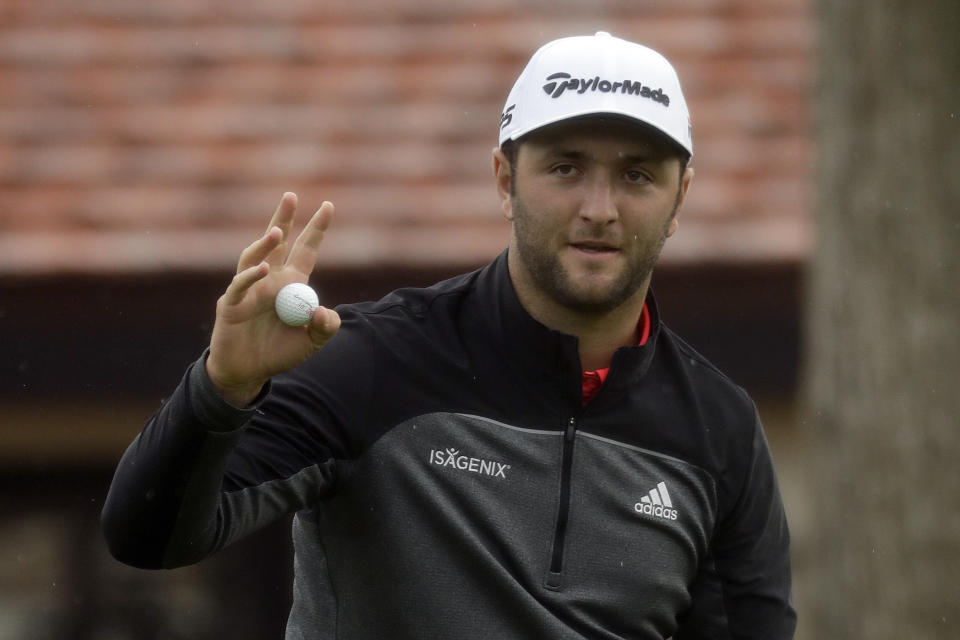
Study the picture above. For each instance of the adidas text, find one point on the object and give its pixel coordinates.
(655, 510)
(558, 83)
(452, 458)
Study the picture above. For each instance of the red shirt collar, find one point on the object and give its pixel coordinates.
(593, 380)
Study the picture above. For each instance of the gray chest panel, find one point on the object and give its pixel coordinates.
(446, 527)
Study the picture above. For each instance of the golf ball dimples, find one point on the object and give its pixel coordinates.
(295, 304)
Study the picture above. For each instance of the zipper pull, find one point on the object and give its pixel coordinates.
(571, 430)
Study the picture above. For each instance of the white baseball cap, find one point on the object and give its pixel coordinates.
(598, 74)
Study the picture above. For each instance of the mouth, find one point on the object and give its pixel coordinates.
(593, 247)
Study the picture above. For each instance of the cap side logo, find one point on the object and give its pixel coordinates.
(506, 117)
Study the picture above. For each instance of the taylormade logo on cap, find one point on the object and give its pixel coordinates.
(555, 89)
(598, 74)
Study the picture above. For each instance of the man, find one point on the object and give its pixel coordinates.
(521, 452)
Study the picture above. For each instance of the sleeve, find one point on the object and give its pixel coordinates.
(743, 589)
(203, 473)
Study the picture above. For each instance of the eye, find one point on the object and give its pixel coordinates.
(635, 176)
(565, 170)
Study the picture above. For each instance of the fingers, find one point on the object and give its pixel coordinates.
(283, 216)
(260, 249)
(243, 281)
(271, 246)
(303, 255)
(323, 325)
(283, 219)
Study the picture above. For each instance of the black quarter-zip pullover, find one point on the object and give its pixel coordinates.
(448, 482)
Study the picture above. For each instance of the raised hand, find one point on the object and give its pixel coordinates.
(249, 342)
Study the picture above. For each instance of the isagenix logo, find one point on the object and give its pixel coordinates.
(558, 83)
(452, 458)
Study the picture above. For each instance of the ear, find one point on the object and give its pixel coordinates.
(501, 177)
(681, 196)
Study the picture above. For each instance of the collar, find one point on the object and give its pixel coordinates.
(536, 350)
(592, 381)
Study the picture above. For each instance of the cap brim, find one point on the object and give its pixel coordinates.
(652, 127)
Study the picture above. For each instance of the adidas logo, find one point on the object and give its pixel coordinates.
(657, 503)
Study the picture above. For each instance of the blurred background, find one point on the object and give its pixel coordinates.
(143, 145)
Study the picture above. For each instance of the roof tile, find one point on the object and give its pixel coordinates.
(157, 136)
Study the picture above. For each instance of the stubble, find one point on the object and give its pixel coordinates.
(551, 277)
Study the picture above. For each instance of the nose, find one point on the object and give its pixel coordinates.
(599, 202)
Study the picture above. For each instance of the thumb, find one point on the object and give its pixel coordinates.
(323, 325)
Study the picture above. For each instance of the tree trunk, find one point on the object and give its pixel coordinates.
(883, 359)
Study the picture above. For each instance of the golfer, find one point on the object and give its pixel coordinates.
(522, 452)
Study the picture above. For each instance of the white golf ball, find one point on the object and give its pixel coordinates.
(295, 304)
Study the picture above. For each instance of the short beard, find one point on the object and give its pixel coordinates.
(550, 277)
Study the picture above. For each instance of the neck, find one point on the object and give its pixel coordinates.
(599, 341)
(599, 335)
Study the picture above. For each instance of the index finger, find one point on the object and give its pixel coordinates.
(283, 216)
(282, 219)
(303, 255)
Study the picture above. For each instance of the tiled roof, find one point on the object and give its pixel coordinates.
(139, 137)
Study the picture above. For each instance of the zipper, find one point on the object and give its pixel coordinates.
(553, 581)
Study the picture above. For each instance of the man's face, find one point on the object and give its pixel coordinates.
(592, 203)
